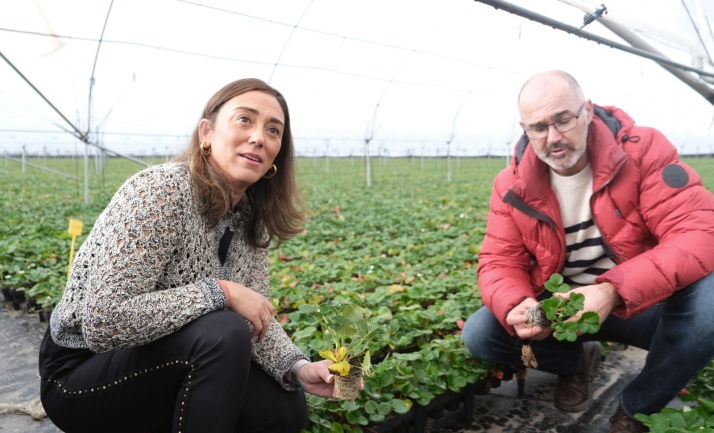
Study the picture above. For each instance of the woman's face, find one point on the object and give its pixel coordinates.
(244, 138)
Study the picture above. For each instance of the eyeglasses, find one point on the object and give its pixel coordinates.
(564, 124)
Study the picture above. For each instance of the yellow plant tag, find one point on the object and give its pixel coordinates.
(342, 368)
(75, 227)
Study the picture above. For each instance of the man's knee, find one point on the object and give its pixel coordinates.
(479, 331)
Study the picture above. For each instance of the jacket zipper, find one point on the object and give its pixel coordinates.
(609, 251)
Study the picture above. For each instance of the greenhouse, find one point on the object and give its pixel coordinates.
(364, 230)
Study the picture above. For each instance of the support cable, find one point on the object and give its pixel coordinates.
(77, 133)
(254, 62)
(696, 30)
(39, 167)
(287, 41)
(94, 67)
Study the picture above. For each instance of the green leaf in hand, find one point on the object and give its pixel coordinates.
(555, 284)
(550, 306)
(589, 323)
(571, 331)
(577, 300)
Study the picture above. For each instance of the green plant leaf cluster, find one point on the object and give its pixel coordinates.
(35, 209)
(699, 419)
(403, 252)
(558, 310)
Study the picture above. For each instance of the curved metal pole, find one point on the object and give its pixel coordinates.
(639, 48)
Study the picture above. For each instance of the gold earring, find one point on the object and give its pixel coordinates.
(205, 150)
(275, 171)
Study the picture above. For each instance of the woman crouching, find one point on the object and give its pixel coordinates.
(165, 323)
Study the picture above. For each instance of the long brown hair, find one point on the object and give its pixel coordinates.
(275, 206)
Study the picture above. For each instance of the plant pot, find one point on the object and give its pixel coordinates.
(347, 387)
(6, 295)
(18, 297)
(46, 315)
(31, 305)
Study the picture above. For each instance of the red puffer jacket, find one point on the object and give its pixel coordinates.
(656, 218)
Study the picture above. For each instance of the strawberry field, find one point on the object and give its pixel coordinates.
(404, 251)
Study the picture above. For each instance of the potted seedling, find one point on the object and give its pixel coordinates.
(350, 333)
(554, 311)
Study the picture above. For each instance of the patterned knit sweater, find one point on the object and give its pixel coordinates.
(149, 266)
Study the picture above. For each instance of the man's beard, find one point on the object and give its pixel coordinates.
(569, 160)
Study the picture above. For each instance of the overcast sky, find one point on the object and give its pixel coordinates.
(423, 70)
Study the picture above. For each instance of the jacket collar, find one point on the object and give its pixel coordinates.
(607, 130)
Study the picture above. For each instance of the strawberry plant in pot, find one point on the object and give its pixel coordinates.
(351, 331)
(555, 311)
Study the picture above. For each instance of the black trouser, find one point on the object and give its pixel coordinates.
(198, 379)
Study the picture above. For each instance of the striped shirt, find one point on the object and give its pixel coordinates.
(586, 258)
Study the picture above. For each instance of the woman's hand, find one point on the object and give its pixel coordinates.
(252, 306)
(316, 379)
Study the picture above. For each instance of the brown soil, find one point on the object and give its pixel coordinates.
(347, 387)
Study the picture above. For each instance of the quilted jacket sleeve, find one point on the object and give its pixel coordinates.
(504, 262)
(679, 212)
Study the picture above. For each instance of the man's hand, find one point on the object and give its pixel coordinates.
(601, 298)
(517, 318)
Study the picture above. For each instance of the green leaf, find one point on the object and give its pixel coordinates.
(305, 332)
(337, 428)
(349, 406)
(308, 308)
(677, 420)
(577, 300)
(356, 417)
(370, 407)
(384, 408)
(589, 323)
(367, 362)
(384, 313)
(706, 404)
(386, 379)
(550, 306)
(555, 284)
(400, 406)
(376, 417)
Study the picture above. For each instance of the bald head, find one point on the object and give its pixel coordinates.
(555, 115)
(547, 81)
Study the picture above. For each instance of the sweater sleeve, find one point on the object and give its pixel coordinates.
(276, 353)
(124, 259)
(504, 263)
(679, 212)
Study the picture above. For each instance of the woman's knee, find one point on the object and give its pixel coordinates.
(222, 330)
